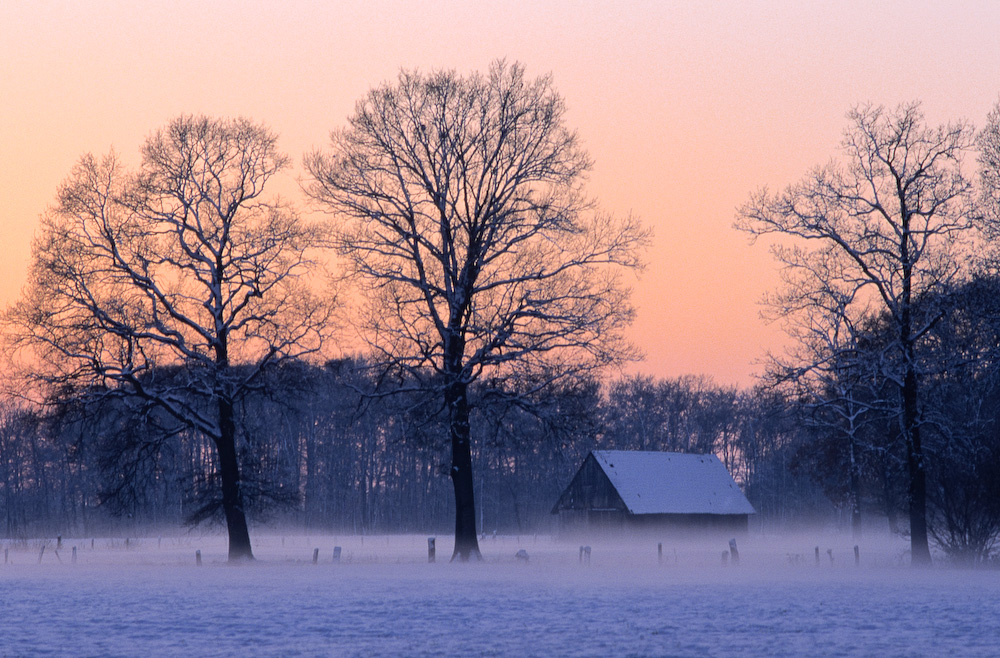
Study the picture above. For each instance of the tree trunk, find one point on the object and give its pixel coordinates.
(920, 554)
(855, 494)
(232, 496)
(466, 540)
(888, 499)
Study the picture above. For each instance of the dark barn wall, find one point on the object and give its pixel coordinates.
(581, 523)
(590, 490)
(597, 523)
(689, 524)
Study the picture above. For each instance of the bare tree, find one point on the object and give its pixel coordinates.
(886, 229)
(182, 263)
(988, 142)
(458, 204)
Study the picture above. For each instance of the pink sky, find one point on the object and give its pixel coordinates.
(685, 107)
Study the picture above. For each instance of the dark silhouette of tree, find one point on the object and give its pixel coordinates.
(181, 263)
(963, 415)
(458, 205)
(831, 373)
(886, 229)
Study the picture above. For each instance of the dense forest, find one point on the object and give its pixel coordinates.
(318, 454)
(171, 361)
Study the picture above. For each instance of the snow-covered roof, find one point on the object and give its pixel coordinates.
(672, 483)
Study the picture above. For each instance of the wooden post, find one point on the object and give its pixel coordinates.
(431, 549)
(659, 552)
(159, 541)
(58, 542)
(829, 552)
(315, 556)
(6, 552)
(74, 555)
(581, 554)
(336, 554)
(817, 556)
(857, 556)
(91, 543)
(41, 553)
(197, 558)
(735, 553)
(586, 555)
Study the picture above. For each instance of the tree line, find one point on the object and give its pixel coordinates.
(170, 358)
(317, 452)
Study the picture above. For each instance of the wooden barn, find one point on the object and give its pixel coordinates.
(656, 492)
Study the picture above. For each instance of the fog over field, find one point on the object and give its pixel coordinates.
(146, 596)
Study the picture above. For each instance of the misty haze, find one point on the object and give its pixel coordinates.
(384, 598)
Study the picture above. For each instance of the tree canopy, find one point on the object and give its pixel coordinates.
(458, 203)
(183, 262)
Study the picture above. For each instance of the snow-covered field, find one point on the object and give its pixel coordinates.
(148, 598)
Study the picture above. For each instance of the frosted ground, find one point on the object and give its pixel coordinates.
(147, 597)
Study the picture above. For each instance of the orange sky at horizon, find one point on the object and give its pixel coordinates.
(686, 109)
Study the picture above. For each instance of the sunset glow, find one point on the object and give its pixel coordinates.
(685, 108)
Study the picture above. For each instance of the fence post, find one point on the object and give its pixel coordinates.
(659, 552)
(315, 555)
(197, 558)
(817, 556)
(336, 554)
(735, 553)
(74, 555)
(431, 549)
(857, 556)
(586, 555)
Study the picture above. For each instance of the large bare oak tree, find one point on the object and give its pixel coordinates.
(180, 264)
(872, 238)
(458, 204)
